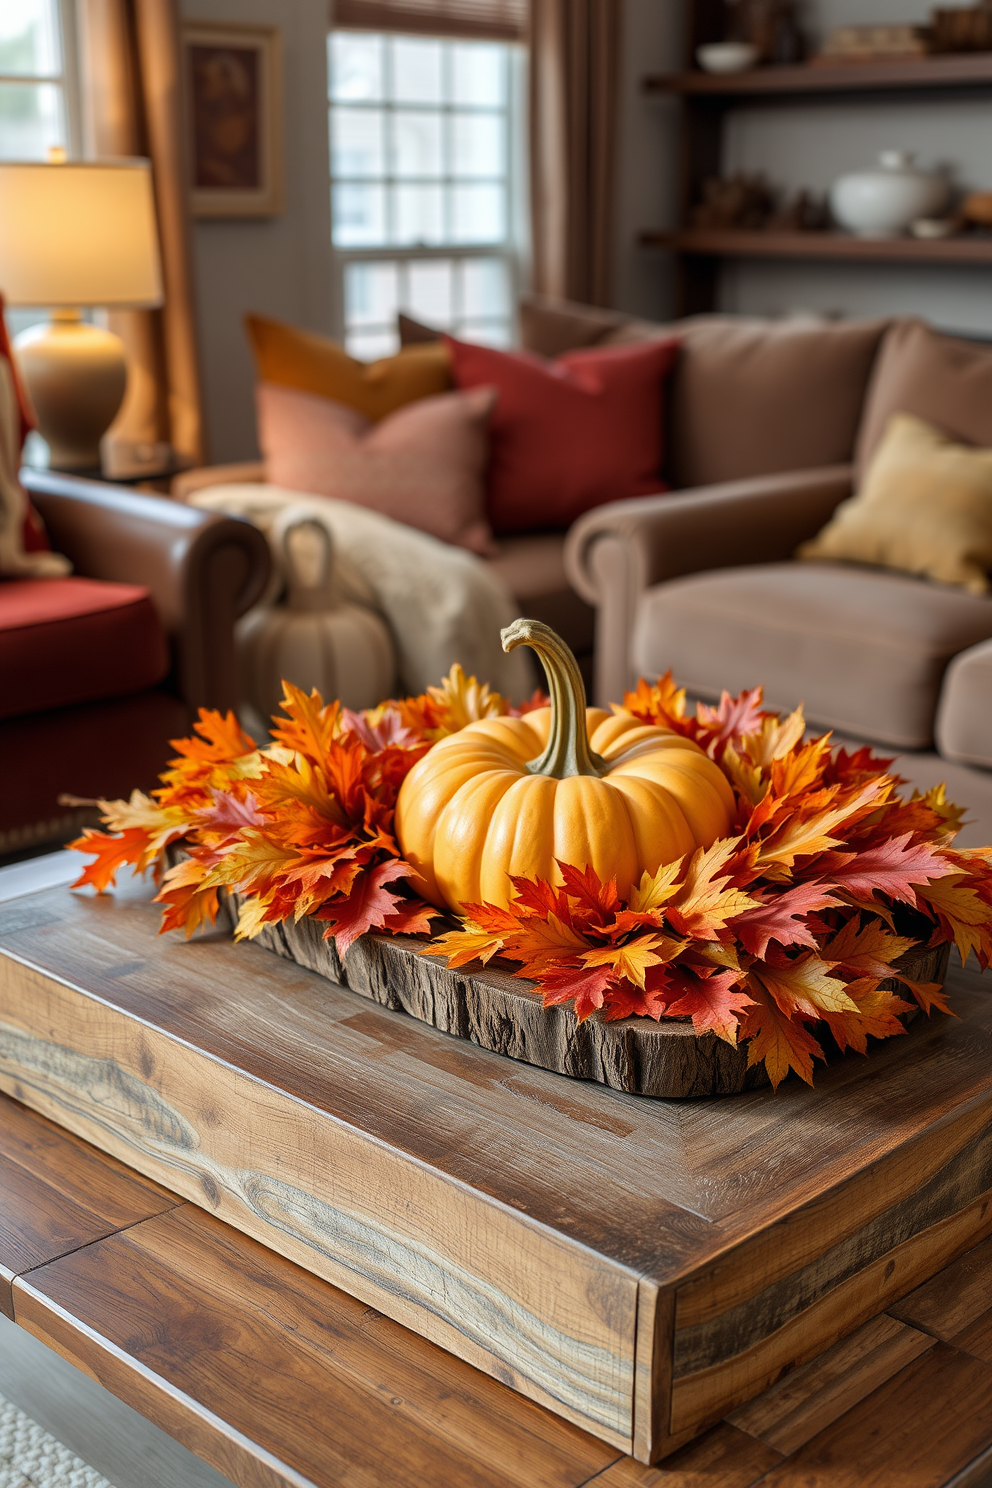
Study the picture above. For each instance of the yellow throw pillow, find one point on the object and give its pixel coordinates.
(315, 364)
(925, 507)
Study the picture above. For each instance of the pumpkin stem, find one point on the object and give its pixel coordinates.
(567, 751)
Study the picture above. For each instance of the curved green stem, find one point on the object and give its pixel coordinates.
(567, 751)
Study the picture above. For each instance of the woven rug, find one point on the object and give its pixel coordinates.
(30, 1458)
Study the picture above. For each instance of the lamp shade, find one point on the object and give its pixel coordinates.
(79, 234)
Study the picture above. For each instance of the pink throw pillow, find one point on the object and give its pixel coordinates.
(423, 465)
(569, 434)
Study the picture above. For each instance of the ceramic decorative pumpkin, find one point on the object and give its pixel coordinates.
(312, 637)
(508, 796)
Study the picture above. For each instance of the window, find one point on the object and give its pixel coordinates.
(37, 104)
(425, 206)
(37, 93)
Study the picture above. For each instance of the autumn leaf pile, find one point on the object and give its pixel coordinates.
(779, 935)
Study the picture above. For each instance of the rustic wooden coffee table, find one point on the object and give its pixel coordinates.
(201, 1327)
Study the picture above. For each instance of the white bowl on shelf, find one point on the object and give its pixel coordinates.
(724, 57)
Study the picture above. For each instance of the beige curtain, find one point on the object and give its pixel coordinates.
(132, 102)
(574, 79)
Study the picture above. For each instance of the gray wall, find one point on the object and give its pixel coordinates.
(804, 145)
(280, 266)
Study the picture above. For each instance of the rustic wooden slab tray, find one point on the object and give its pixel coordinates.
(501, 1012)
(641, 1267)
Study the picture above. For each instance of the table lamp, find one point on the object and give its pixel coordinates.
(73, 236)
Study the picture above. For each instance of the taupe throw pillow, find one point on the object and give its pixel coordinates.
(925, 508)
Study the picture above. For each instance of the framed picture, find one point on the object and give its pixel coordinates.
(234, 113)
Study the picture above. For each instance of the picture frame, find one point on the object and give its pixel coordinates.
(234, 114)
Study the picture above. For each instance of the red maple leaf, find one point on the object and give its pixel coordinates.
(895, 869)
(713, 1003)
(411, 917)
(367, 907)
(780, 919)
(586, 986)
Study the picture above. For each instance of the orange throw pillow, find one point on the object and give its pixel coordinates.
(289, 357)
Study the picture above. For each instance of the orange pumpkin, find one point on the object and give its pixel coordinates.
(509, 796)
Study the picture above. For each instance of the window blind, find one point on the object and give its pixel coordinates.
(501, 20)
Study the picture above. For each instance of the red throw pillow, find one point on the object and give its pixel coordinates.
(569, 434)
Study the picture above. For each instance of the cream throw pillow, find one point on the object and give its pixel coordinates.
(925, 507)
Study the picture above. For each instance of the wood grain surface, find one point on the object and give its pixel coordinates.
(278, 1378)
(57, 1194)
(640, 1267)
(267, 1372)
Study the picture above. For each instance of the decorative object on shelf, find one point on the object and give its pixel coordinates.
(313, 635)
(726, 57)
(875, 44)
(963, 29)
(800, 916)
(882, 203)
(977, 208)
(234, 118)
(803, 211)
(742, 202)
(934, 229)
(769, 25)
(71, 236)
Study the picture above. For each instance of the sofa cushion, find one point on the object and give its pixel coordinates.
(72, 640)
(925, 507)
(424, 464)
(569, 434)
(533, 569)
(864, 649)
(964, 717)
(755, 397)
(315, 364)
(944, 380)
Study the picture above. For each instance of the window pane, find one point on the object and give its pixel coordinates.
(355, 67)
(29, 37)
(477, 145)
(486, 333)
(419, 214)
(369, 346)
(431, 291)
(417, 71)
(357, 146)
(478, 74)
(417, 144)
(479, 214)
(31, 120)
(358, 216)
(371, 293)
(485, 288)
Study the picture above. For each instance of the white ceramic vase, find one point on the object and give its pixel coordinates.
(884, 202)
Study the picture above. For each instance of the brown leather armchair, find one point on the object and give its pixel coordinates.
(202, 571)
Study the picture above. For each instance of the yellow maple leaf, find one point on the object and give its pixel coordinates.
(747, 779)
(704, 903)
(462, 700)
(655, 890)
(775, 738)
(968, 915)
(870, 950)
(459, 947)
(801, 837)
(804, 986)
(634, 959)
(777, 1039)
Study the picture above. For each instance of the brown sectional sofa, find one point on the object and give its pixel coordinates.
(703, 581)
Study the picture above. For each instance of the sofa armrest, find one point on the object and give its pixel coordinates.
(247, 472)
(616, 552)
(203, 569)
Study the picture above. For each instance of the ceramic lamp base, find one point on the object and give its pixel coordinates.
(76, 375)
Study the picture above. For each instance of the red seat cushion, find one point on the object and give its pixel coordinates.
(569, 434)
(73, 640)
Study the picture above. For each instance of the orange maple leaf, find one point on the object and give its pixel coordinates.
(782, 1042)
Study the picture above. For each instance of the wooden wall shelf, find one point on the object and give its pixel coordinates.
(712, 243)
(965, 71)
(705, 102)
